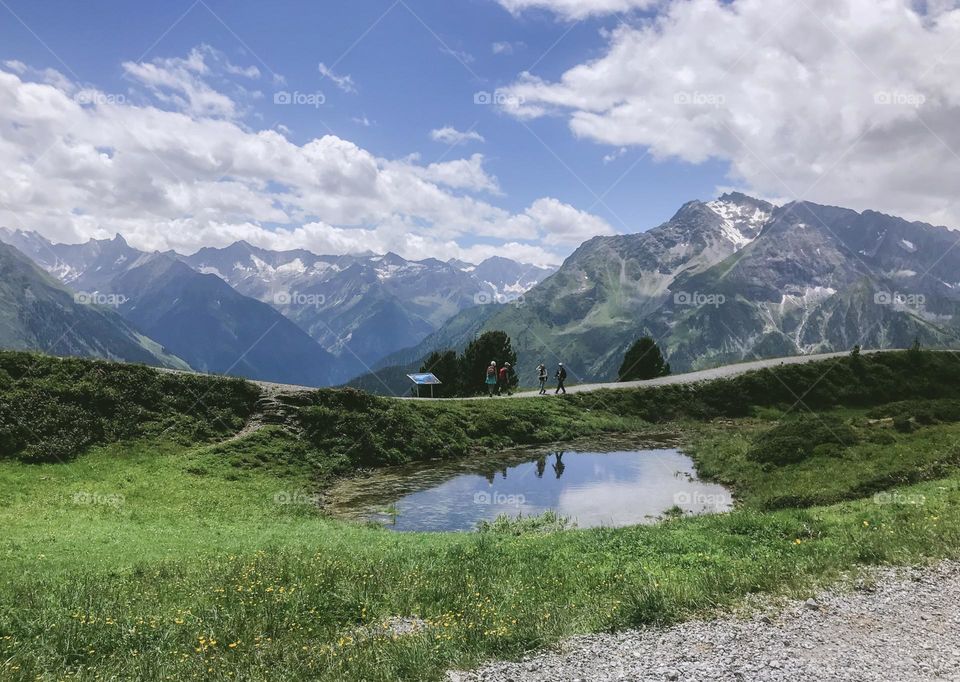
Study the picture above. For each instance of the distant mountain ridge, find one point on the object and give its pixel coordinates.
(364, 307)
(728, 280)
(198, 317)
(328, 317)
(38, 313)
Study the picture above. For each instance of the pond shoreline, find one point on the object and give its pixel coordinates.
(456, 495)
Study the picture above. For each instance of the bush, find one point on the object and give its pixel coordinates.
(51, 409)
(370, 430)
(800, 438)
(925, 412)
(904, 424)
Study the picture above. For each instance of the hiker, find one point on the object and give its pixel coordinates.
(504, 383)
(561, 377)
(542, 377)
(491, 378)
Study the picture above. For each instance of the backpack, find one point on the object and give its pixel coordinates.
(562, 373)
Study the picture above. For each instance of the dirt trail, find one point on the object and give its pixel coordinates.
(274, 389)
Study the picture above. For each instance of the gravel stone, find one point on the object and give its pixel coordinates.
(906, 626)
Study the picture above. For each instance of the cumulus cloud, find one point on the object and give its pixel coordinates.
(850, 102)
(578, 9)
(466, 174)
(452, 136)
(564, 224)
(77, 163)
(182, 81)
(345, 83)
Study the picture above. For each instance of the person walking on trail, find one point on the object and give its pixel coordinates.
(491, 378)
(542, 377)
(561, 377)
(504, 384)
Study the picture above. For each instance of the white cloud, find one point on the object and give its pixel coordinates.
(461, 56)
(458, 174)
(850, 102)
(74, 168)
(614, 155)
(564, 224)
(578, 9)
(452, 136)
(504, 47)
(245, 71)
(345, 83)
(182, 82)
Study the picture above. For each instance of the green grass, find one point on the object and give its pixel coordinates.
(148, 558)
(880, 459)
(104, 585)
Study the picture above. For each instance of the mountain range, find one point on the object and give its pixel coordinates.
(723, 281)
(363, 307)
(290, 317)
(39, 313)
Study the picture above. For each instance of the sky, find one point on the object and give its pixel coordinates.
(465, 128)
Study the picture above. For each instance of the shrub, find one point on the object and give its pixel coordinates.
(51, 409)
(800, 438)
(923, 412)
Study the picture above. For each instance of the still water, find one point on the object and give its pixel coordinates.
(591, 488)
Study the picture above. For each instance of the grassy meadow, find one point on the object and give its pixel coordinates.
(160, 549)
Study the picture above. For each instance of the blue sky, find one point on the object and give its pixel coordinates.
(407, 82)
(599, 127)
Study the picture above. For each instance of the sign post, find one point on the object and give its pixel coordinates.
(425, 379)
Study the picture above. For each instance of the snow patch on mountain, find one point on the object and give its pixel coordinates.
(811, 296)
(210, 270)
(741, 222)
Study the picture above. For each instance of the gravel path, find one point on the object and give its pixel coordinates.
(903, 624)
(274, 389)
(702, 375)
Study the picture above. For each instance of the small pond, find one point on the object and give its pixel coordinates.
(609, 489)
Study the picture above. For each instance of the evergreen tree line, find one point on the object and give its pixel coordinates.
(464, 375)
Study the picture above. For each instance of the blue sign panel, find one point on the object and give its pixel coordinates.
(424, 379)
